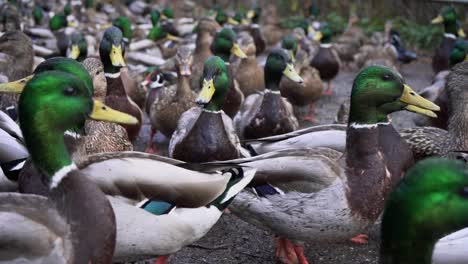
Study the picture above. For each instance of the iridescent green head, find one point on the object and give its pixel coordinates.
(314, 11)
(88, 3)
(155, 16)
(221, 17)
(112, 49)
(124, 24)
(378, 91)
(430, 202)
(78, 47)
(67, 9)
(289, 43)
(38, 15)
(167, 13)
(448, 16)
(157, 33)
(279, 64)
(214, 83)
(58, 22)
(241, 17)
(325, 33)
(224, 44)
(459, 52)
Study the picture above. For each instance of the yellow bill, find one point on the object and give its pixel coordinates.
(418, 104)
(291, 54)
(75, 52)
(318, 36)
(116, 56)
(244, 22)
(461, 33)
(250, 14)
(16, 86)
(439, 19)
(172, 37)
(103, 112)
(310, 29)
(291, 73)
(164, 17)
(185, 70)
(206, 92)
(237, 51)
(466, 57)
(232, 21)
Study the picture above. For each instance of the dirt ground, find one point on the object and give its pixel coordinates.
(233, 241)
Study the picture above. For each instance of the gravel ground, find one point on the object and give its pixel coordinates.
(233, 241)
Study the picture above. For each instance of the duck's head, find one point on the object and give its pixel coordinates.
(289, 43)
(448, 16)
(254, 14)
(379, 91)
(430, 202)
(155, 16)
(184, 60)
(157, 33)
(459, 52)
(79, 47)
(241, 17)
(67, 9)
(223, 18)
(224, 44)
(167, 13)
(279, 64)
(38, 15)
(124, 24)
(247, 44)
(58, 22)
(324, 34)
(62, 64)
(214, 83)
(95, 69)
(112, 49)
(51, 103)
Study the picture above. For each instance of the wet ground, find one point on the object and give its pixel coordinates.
(234, 241)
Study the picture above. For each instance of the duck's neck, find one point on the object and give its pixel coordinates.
(108, 67)
(451, 28)
(458, 122)
(47, 148)
(272, 79)
(203, 42)
(224, 56)
(183, 85)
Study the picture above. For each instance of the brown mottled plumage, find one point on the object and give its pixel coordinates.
(249, 75)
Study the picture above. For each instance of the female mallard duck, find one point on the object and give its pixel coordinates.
(224, 45)
(45, 114)
(250, 75)
(373, 162)
(448, 17)
(206, 29)
(174, 100)
(326, 60)
(190, 142)
(311, 89)
(428, 204)
(256, 118)
(433, 141)
(79, 47)
(111, 52)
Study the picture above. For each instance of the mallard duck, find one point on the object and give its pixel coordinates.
(190, 142)
(256, 118)
(326, 60)
(79, 46)
(222, 18)
(250, 75)
(433, 141)
(173, 101)
(448, 17)
(224, 45)
(253, 15)
(206, 29)
(298, 206)
(111, 51)
(124, 24)
(311, 89)
(348, 43)
(58, 24)
(38, 15)
(459, 52)
(414, 219)
(47, 97)
(404, 56)
(165, 41)
(9, 18)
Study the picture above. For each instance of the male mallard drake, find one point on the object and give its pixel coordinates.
(190, 141)
(428, 204)
(58, 24)
(124, 24)
(250, 74)
(111, 52)
(206, 29)
(174, 100)
(448, 17)
(79, 47)
(253, 15)
(299, 207)
(45, 114)
(256, 118)
(165, 36)
(311, 89)
(433, 141)
(222, 18)
(224, 45)
(326, 60)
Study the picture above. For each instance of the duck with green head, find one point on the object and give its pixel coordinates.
(441, 59)
(311, 89)
(38, 15)
(164, 34)
(223, 18)
(124, 24)
(256, 118)
(326, 60)
(57, 24)
(224, 45)
(111, 50)
(292, 196)
(252, 20)
(51, 103)
(78, 47)
(429, 203)
(191, 141)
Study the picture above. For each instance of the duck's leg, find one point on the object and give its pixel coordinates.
(161, 259)
(149, 148)
(328, 91)
(360, 239)
(310, 115)
(285, 251)
(299, 249)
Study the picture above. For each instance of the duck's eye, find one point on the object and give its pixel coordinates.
(70, 91)
(464, 192)
(386, 77)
